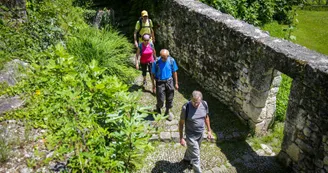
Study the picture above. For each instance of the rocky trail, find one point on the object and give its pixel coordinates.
(228, 152)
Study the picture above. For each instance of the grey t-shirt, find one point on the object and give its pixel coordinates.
(195, 122)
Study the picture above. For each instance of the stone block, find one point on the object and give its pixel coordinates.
(7, 104)
(154, 137)
(307, 132)
(319, 163)
(165, 136)
(173, 122)
(266, 148)
(325, 161)
(220, 136)
(174, 128)
(236, 134)
(175, 136)
(293, 151)
(304, 146)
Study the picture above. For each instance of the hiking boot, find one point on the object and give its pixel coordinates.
(170, 116)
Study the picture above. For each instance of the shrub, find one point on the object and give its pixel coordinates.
(89, 115)
(105, 46)
(257, 12)
(74, 89)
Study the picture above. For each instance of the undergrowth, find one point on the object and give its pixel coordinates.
(76, 89)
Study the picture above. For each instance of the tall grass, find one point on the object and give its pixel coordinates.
(109, 48)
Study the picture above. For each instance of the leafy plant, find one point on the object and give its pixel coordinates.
(106, 46)
(282, 98)
(257, 12)
(74, 89)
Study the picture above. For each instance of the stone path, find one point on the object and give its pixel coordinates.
(229, 152)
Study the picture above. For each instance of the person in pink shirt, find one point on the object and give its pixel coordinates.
(147, 53)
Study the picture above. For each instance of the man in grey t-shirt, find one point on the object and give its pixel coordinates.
(194, 115)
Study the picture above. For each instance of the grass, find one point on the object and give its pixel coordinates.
(273, 138)
(107, 47)
(311, 30)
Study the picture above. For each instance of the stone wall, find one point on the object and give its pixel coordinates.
(225, 55)
(238, 63)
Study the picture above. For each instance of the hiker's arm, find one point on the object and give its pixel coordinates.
(137, 58)
(175, 77)
(208, 126)
(153, 35)
(182, 141)
(154, 54)
(135, 38)
(153, 82)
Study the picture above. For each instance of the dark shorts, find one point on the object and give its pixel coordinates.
(144, 68)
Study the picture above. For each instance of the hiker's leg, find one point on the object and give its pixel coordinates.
(193, 152)
(160, 95)
(144, 69)
(169, 94)
(149, 65)
(144, 73)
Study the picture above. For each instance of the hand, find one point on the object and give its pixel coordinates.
(182, 142)
(176, 86)
(137, 66)
(209, 135)
(154, 89)
(136, 44)
(153, 40)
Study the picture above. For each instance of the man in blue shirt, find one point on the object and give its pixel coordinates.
(164, 71)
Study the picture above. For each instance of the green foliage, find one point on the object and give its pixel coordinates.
(273, 138)
(89, 16)
(107, 47)
(87, 113)
(5, 148)
(282, 98)
(275, 29)
(43, 29)
(257, 12)
(74, 89)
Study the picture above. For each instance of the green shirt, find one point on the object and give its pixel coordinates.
(146, 28)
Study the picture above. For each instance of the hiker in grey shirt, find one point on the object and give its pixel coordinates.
(194, 115)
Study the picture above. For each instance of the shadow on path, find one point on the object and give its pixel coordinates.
(166, 166)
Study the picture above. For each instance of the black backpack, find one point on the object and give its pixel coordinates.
(187, 108)
(140, 23)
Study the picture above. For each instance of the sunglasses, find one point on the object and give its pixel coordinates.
(146, 40)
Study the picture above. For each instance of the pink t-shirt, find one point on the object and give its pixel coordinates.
(146, 54)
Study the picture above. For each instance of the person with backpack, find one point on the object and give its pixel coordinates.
(164, 72)
(195, 116)
(147, 54)
(143, 26)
